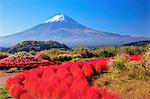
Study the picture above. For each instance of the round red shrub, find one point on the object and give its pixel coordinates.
(16, 90)
(65, 81)
(26, 96)
(87, 69)
(136, 58)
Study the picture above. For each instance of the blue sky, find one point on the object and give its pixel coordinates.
(126, 17)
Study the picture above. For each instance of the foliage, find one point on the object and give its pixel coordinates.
(105, 52)
(136, 58)
(133, 81)
(136, 70)
(24, 54)
(65, 81)
(87, 54)
(113, 51)
(80, 49)
(43, 56)
(132, 65)
(25, 62)
(13, 70)
(82, 52)
(57, 55)
(133, 50)
(64, 57)
(114, 74)
(118, 65)
(77, 56)
(138, 43)
(54, 58)
(57, 52)
(82, 59)
(122, 57)
(4, 93)
(28, 46)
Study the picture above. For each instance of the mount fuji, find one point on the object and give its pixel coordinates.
(64, 29)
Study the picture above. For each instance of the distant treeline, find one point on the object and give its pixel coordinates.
(139, 43)
(29, 46)
(37, 46)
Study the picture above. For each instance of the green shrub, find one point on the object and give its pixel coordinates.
(122, 57)
(57, 52)
(4, 94)
(114, 74)
(82, 59)
(64, 57)
(118, 65)
(13, 56)
(23, 54)
(76, 59)
(84, 51)
(87, 54)
(13, 70)
(131, 65)
(133, 50)
(44, 56)
(80, 49)
(137, 74)
(105, 52)
(77, 56)
(112, 51)
(136, 70)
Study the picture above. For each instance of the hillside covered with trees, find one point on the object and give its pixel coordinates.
(28, 46)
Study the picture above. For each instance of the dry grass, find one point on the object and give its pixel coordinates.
(4, 76)
(125, 87)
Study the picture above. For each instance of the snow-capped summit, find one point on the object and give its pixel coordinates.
(60, 18)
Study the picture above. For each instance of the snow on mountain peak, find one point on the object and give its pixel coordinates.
(59, 18)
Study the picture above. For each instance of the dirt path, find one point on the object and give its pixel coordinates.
(4, 76)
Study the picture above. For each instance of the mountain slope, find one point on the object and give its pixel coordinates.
(64, 29)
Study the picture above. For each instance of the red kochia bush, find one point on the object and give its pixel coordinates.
(15, 80)
(23, 62)
(16, 90)
(65, 81)
(87, 69)
(108, 95)
(26, 96)
(99, 64)
(136, 58)
(92, 93)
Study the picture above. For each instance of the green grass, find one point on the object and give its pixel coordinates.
(4, 93)
(114, 74)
